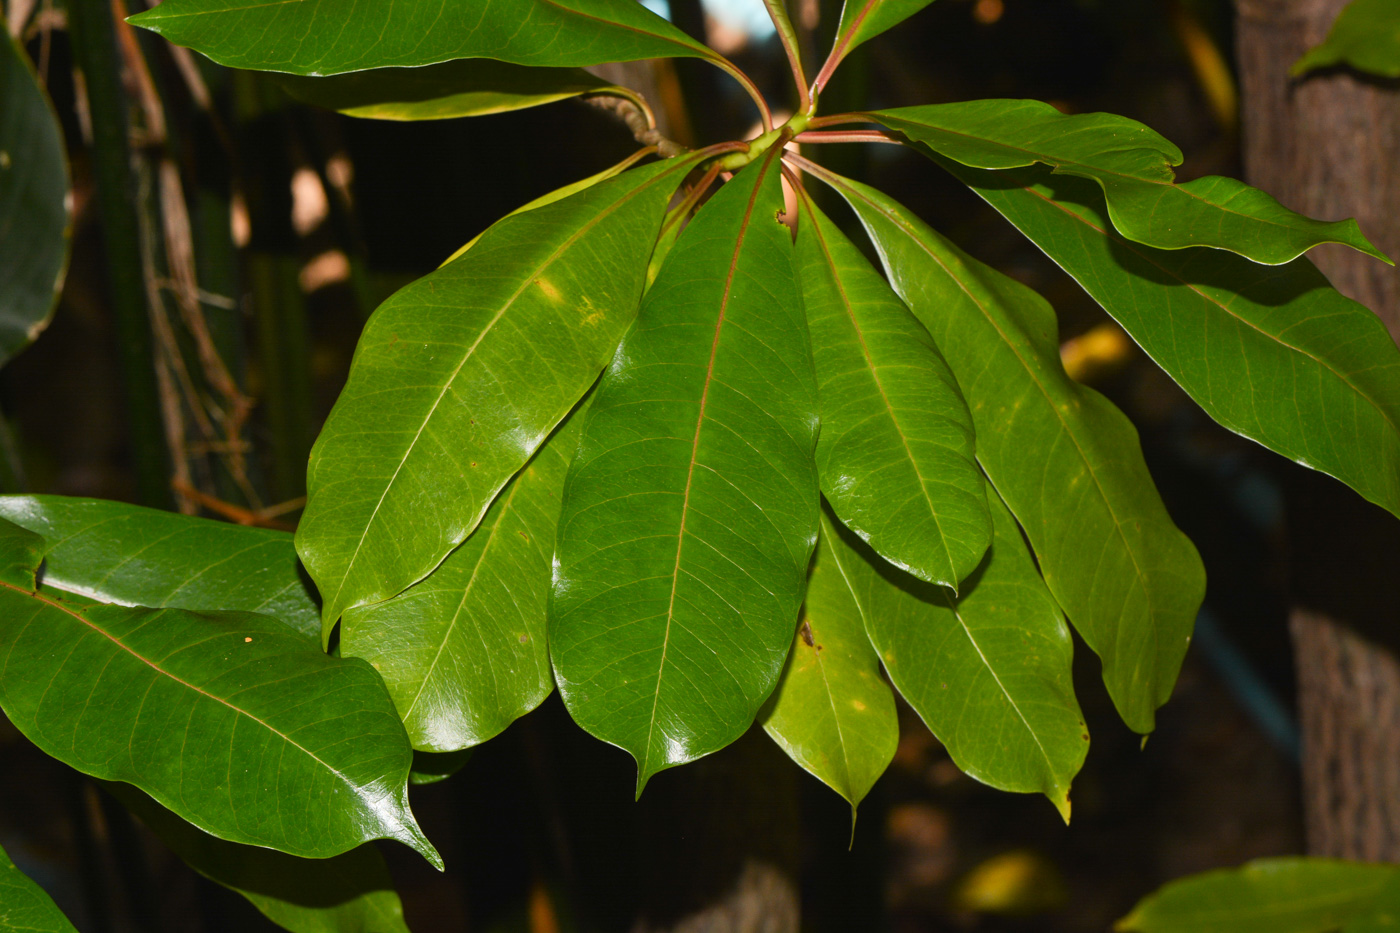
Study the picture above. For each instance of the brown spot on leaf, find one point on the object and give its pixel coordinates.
(806, 633)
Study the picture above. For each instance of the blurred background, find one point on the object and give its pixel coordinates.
(266, 233)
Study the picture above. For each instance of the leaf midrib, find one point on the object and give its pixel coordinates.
(744, 227)
(165, 673)
(884, 397)
(535, 273)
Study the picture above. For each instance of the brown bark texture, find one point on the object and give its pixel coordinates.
(1328, 145)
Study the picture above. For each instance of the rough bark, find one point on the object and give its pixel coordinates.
(1326, 145)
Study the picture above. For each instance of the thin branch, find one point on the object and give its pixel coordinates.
(632, 109)
(836, 119)
(778, 13)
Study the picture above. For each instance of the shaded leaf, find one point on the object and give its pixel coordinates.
(24, 906)
(113, 552)
(690, 510)
(1280, 895)
(459, 377)
(464, 652)
(989, 672)
(432, 767)
(895, 453)
(1366, 36)
(1133, 166)
(350, 893)
(1384, 915)
(862, 20)
(832, 711)
(231, 719)
(470, 87)
(327, 37)
(1274, 354)
(1065, 460)
(34, 199)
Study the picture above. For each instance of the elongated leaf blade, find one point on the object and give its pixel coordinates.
(1274, 354)
(461, 376)
(231, 719)
(34, 202)
(471, 87)
(896, 450)
(350, 893)
(862, 20)
(1366, 36)
(113, 552)
(1281, 895)
(832, 711)
(690, 510)
(1065, 460)
(464, 652)
(1384, 914)
(988, 672)
(1133, 166)
(327, 37)
(24, 906)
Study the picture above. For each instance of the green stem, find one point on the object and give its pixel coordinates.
(735, 72)
(95, 51)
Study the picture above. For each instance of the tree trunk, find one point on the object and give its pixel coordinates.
(1325, 145)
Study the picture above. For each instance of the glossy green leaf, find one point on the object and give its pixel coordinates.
(690, 510)
(464, 652)
(988, 672)
(113, 552)
(1366, 36)
(327, 37)
(1275, 354)
(1280, 895)
(862, 20)
(24, 906)
(231, 719)
(1065, 460)
(896, 450)
(471, 87)
(832, 711)
(1133, 166)
(34, 202)
(350, 893)
(459, 377)
(432, 767)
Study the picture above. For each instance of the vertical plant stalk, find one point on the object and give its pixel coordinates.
(778, 13)
(280, 311)
(95, 50)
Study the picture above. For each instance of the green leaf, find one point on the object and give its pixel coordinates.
(1065, 460)
(465, 88)
(832, 711)
(1384, 915)
(24, 907)
(464, 652)
(327, 37)
(690, 510)
(1365, 36)
(1280, 895)
(895, 454)
(1133, 166)
(34, 202)
(432, 767)
(988, 672)
(459, 377)
(231, 719)
(350, 893)
(1274, 354)
(862, 20)
(126, 554)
